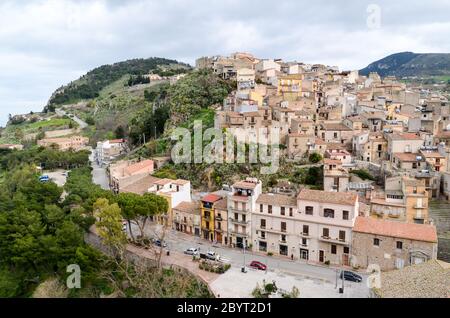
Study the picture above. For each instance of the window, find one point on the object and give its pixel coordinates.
(283, 210)
(236, 216)
(376, 242)
(346, 250)
(261, 208)
(335, 135)
(269, 209)
(291, 212)
(283, 238)
(283, 226)
(263, 223)
(345, 215)
(304, 242)
(309, 210)
(399, 245)
(325, 232)
(306, 229)
(263, 235)
(342, 236)
(328, 213)
(333, 249)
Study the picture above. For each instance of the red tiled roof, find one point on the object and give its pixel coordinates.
(211, 198)
(139, 166)
(411, 231)
(344, 198)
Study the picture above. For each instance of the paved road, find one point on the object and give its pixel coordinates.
(80, 122)
(98, 173)
(237, 258)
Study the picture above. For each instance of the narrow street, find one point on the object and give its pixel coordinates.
(98, 173)
(317, 279)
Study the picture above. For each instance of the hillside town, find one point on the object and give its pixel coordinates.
(397, 133)
(384, 147)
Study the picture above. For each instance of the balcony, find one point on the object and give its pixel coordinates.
(219, 218)
(304, 234)
(237, 221)
(239, 211)
(334, 241)
(239, 233)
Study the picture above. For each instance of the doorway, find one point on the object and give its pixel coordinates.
(304, 254)
(321, 256)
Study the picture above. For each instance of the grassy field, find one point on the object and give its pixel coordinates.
(16, 133)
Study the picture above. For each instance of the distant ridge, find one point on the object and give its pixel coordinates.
(411, 64)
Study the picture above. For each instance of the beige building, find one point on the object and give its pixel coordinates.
(186, 218)
(335, 132)
(405, 199)
(392, 245)
(75, 143)
(326, 223)
(402, 143)
(299, 145)
(124, 173)
(241, 203)
(335, 177)
(274, 225)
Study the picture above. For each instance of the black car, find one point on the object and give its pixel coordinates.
(159, 243)
(352, 277)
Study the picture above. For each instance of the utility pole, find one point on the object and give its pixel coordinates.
(337, 271)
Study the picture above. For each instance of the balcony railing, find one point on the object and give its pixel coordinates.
(237, 221)
(239, 233)
(335, 240)
(239, 211)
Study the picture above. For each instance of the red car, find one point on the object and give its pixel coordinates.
(258, 265)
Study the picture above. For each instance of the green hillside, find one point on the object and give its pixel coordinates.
(90, 85)
(411, 64)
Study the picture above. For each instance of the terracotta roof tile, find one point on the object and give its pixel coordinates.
(277, 199)
(131, 169)
(188, 207)
(343, 198)
(211, 198)
(411, 231)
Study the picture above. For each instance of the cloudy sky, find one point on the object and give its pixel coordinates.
(45, 44)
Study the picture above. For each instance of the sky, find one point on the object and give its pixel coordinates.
(48, 43)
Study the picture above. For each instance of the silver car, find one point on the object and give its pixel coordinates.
(191, 251)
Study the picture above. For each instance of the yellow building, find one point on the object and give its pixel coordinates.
(207, 214)
(290, 86)
(257, 97)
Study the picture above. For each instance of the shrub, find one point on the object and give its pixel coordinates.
(363, 174)
(315, 157)
(269, 254)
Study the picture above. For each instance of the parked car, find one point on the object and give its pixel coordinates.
(44, 178)
(258, 265)
(351, 277)
(211, 255)
(191, 251)
(159, 243)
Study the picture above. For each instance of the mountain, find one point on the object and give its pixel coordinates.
(411, 64)
(91, 84)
